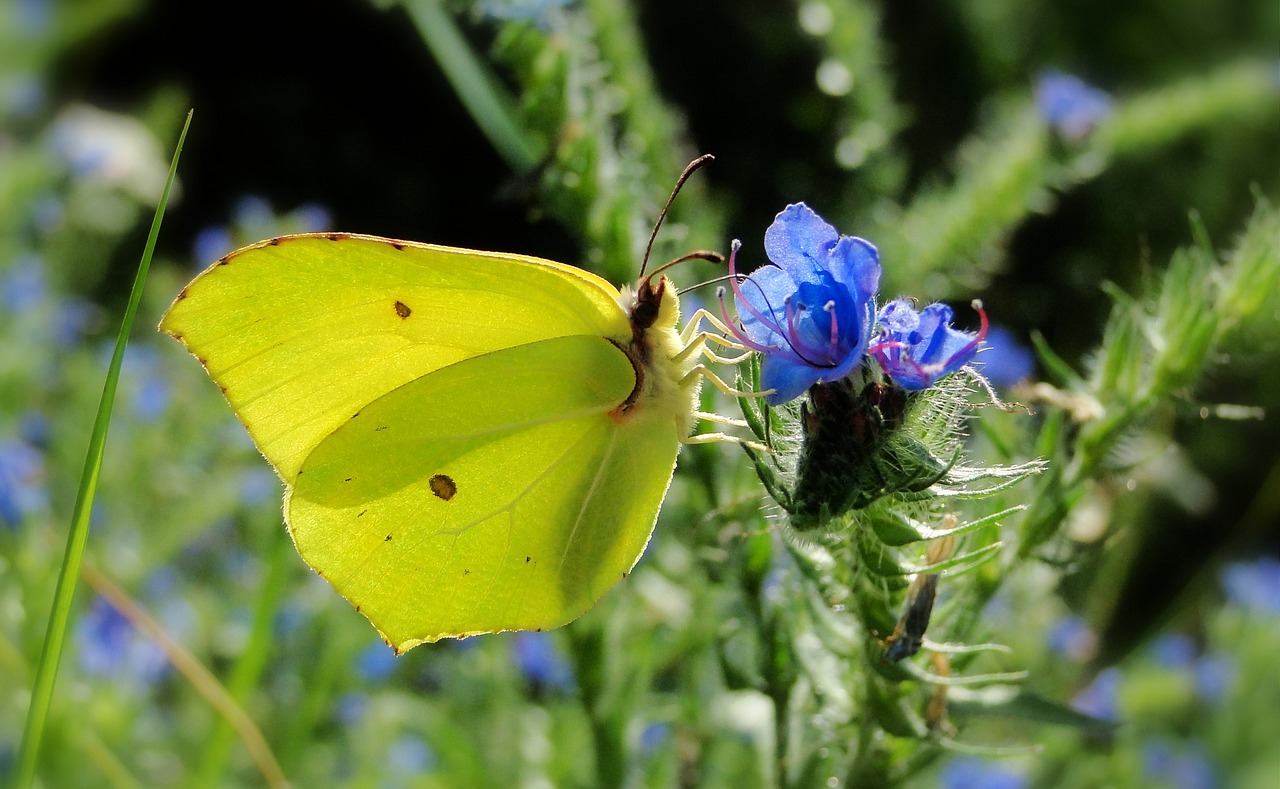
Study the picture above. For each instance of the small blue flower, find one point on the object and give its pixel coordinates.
(376, 662)
(74, 318)
(251, 212)
(410, 755)
(542, 13)
(210, 244)
(1073, 637)
(811, 313)
(34, 17)
(1214, 675)
(1254, 585)
(971, 772)
(23, 286)
(350, 708)
(23, 94)
(1099, 699)
(539, 660)
(152, 392)
(22, 489)
(108, 646)
(655, 736)
(1183, 767)
(1003, 360)
(313, 218)
(916, 349)
(1070, 105)
(1174, 650)
(258, 485)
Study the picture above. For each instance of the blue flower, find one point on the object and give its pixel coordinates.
(811, 313)
(108, 646)
(540, 661)
(22, 489)
(376, 662)
(1073, 637)
(915, 349)
(210, 244)
(971, 772)
(1174, 650)
(1003, 360)
(1099, 699)
(1254, 585)
(1183, 767)
(23, 287)
(1214, 675)
(410, 756)
(1070, 105)
(152, 392)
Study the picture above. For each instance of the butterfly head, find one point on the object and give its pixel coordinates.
(651, 304)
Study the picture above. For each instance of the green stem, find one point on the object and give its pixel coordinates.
(64, 593)
(252, 660)
(475, 86)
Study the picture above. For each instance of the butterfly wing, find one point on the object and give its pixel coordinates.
(300, 332)
(499, 493)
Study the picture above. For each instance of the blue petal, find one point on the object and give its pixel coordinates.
(766, 290)
(856, 263)
(947, 346)
(799, 241)
(788, 377)
(899, 317)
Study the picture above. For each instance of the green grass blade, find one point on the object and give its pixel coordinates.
(478, 90)
(64, 593)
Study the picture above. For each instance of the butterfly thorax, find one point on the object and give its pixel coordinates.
(655, 351)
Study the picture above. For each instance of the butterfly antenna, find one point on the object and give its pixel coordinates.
(706, 282)
(701, 254)
(689, 170)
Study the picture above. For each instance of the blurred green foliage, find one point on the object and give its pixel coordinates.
(1140, 585)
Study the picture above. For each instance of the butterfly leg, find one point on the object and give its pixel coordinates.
(700, 372)
(695, 339)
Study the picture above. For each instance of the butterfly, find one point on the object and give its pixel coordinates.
(469, 441)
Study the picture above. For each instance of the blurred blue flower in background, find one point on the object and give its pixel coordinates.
(73, 319)
(211, 244)
(916, 349)
(34, 428)
(1003, 360)
(410, 756)
(540, 661)
(33, 18)
(23, 286)
(971, 772)
(1174, 650)
(376, 662)
(313, 218)
(1072, 637)
(258, 485)
(22, 481)
(22, 94)
(151, 392)
(654, 736)
(812, 311)
(540, 12)
(1183, 767)
(1214, 675)
(109, 646)
(1099, 699)
(47, 213)
(1070, 105)
(350, 707)
(111, 149)
(1254, 585)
